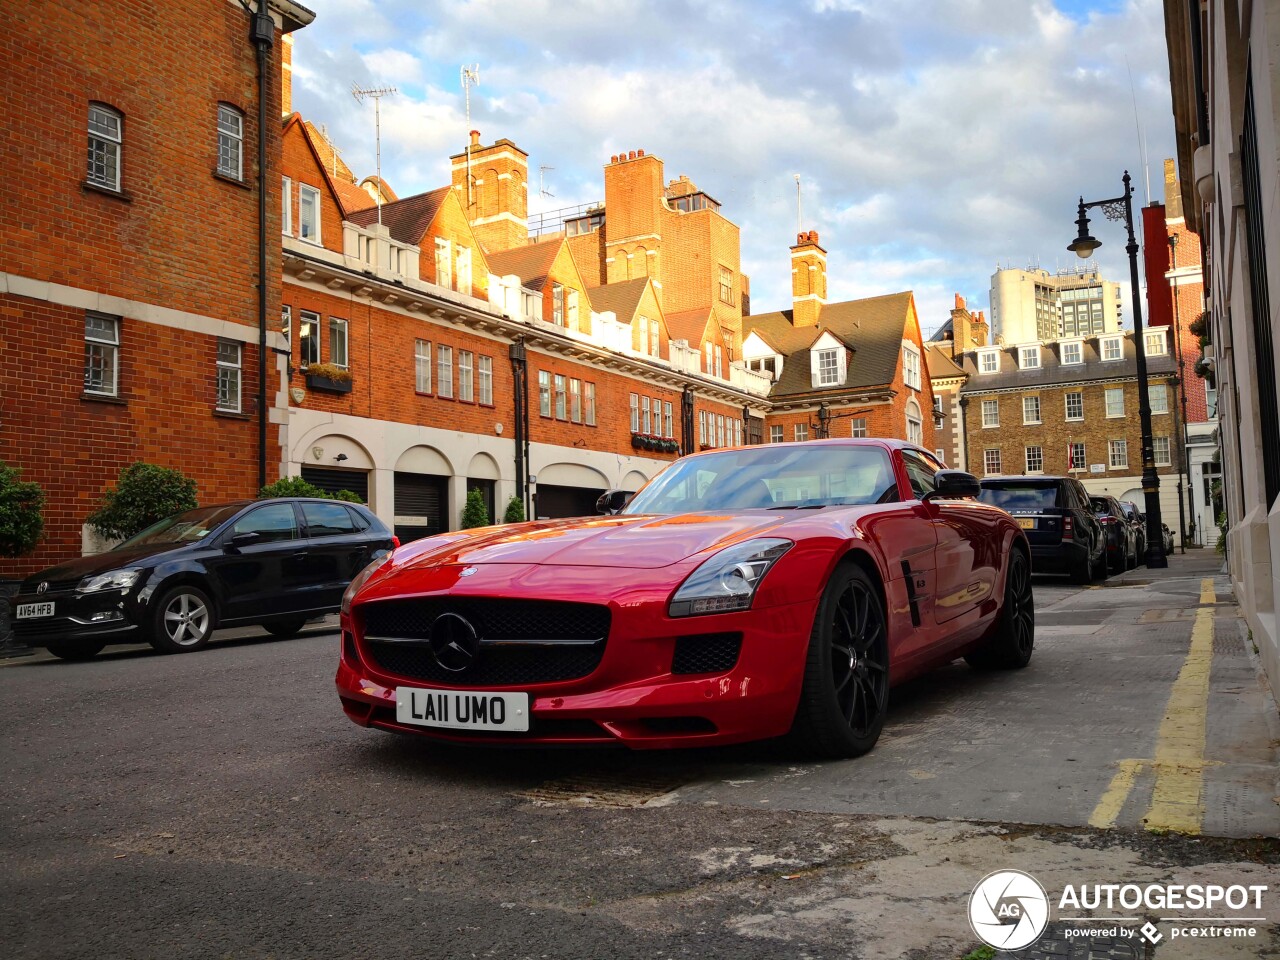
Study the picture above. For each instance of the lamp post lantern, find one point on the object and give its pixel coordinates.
(1121, 208)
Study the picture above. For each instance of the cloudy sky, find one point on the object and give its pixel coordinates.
(935, 139)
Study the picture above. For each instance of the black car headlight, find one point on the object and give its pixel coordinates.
(112, 580)
(354, 586)
(728, 580)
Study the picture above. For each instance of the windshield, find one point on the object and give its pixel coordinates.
(184, 527)
(764, 477)
(1020, 498)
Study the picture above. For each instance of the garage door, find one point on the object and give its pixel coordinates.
(420, 505)
(331, 480)
(555, 501)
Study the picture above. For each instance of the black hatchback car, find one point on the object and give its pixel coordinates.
(278, 563)
(1058, 518)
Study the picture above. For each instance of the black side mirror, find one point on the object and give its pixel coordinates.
(953, 484)
(247, 539)
(612, 501)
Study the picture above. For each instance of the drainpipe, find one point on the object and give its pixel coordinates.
(686, 422)
(520, 414)
(262, 33)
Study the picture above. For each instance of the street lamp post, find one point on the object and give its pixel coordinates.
(1117, 208)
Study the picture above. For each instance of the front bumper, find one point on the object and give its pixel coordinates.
(108, 616)
(632, 698)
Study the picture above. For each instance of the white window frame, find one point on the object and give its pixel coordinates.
(575, 400)
(1108, 345)
(911, 367)
(1114, 411)
(562, 396)
(444, 371)
(1164, 459)
(1029, 357)
(464, 270)
(1156, 342)
(801, 431)
(775, 433)
(1026, 410)
(668, 420)
(484, 380)
(229, 363)
(655, 336)
(102, 339)
(989, 358)
(339, 345)
(106, 146)
(1077, 463)
(1034, 453)
(702, 428)
(466, 376)
(571, 309)
(1076, 347)
(1066, 402)
(719, 362)
(646, 420)
(286, 327)
(988, 461)
(422, 366)
(557, 304)
(1118, 454)
(991, 407)
(635, 412)
(1160, 390)
(858, 427)
(544, 393)
(309, 194)
(230, 142)
(726, 284)
(589, 403)
(308, 344)
(444, 262)
(828, 367)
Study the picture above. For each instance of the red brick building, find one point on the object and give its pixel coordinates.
(130, 285)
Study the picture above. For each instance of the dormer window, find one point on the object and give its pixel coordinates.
(1111, 348)
(1156, 343)
(1029, 357)
(1072, 352)
(989, 361)
(828, 368)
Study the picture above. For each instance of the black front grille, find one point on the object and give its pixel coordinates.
(706, 653)
(30, 585)
(531, 627)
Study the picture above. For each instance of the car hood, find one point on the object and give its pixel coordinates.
(639, 542)
(103, 562)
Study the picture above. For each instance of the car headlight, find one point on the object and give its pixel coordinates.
(354, 586)
(112, 580)
(727, 581)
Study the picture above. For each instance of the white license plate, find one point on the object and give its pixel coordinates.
(28, 611)
(463, 709)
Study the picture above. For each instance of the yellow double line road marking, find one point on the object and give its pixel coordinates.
(1177, 802)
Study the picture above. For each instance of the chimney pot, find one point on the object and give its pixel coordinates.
(475, 138)
(614, 158)
(631, 154)
(639, 153)
(959, 302)
(813, 237)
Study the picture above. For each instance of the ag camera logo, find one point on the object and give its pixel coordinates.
(1008, 909)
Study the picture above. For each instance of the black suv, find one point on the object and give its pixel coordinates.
(277, 562)
(1122, 541)
(1058, 518)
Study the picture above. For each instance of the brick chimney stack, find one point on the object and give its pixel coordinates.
(968, 330)
(808, 280)
(286, 74)
(496, 200)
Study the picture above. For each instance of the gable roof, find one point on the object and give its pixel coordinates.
(873, 328)
(689, 325)
(531, 263)
(407, 219)
(622, 298)
(351, 197)
(938, 357)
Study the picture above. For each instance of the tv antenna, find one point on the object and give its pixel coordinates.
(542, 188)
(470, 78)
(375, 94)
(799, 209)
(333, 149)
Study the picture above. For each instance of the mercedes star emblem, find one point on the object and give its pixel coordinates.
(454, 642)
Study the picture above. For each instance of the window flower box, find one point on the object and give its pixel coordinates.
(644, 441)
(328, 377)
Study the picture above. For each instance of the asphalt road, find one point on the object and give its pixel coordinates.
(221, 805)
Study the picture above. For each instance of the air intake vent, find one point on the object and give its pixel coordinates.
(706, 653)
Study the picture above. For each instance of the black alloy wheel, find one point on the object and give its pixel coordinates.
(285, 628)
(75, 651)
(845, 696)
(1011, 642)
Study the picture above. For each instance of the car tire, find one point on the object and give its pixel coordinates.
(1098, 571)
(1013, 639)
(1083, 571)
(845, 693)
(183, 620)
(75, 651)
(285, 628)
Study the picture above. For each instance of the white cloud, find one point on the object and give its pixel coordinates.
(935, 138)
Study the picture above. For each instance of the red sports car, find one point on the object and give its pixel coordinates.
(741, 594)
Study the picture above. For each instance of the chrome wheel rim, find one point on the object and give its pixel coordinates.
(859, 664)
(1021, 612)
(186, 620)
